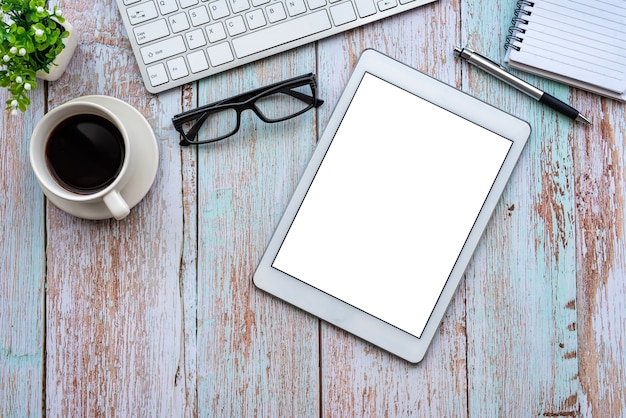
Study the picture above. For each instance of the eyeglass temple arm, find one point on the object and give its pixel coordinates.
(304, 97)
(288, 89)
(283, 87)
(286, 85)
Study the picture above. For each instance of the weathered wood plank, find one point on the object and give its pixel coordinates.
(114, 311)
(189, 265)
(256, 356)
(521, 286)
(601, 251)
(22, 256)
(357, 378)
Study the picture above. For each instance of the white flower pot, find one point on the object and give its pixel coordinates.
(63, 59)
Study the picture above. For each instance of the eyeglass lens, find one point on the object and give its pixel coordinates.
(281, 105)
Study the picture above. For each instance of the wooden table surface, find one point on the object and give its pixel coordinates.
(156, 315)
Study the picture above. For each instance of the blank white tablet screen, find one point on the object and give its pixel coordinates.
(392, 204)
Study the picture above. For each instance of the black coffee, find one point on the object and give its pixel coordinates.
(85, 153)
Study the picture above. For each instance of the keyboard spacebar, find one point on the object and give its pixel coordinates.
(281, 33)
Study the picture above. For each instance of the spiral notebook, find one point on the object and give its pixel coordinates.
(578, 42)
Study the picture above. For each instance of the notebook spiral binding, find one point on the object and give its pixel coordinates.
(521, 10)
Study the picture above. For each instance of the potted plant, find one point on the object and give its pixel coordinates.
(34, 43)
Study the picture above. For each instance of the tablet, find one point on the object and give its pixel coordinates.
(392, 205)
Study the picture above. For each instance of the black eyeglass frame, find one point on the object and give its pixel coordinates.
(246, 101)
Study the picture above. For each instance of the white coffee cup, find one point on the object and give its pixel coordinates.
(53, 185)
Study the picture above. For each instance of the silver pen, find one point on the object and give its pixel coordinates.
(499, 72)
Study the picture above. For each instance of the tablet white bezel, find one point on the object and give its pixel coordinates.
(338, 312)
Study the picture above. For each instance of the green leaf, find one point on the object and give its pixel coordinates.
(40, 50)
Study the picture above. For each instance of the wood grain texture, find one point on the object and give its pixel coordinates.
(23, 268)
(157, 316)
(114, 308)
(601, 266)
(189, 265)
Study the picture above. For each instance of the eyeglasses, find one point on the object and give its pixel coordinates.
(274, 103)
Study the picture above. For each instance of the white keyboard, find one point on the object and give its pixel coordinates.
(180, 41)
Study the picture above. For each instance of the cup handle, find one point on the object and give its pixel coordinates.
(117, 205)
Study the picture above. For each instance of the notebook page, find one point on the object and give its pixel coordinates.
(580, 39)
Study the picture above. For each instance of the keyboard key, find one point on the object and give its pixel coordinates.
(275, 12)
(142, 13)
(316, 4)
(167, 6)
(157, 75)
(195, 39)
(255, 19)
(219, 9)
(179, 22)
(235, 25)
(216, 32)
(220, 54)
(295, 7)
(198, 16)
(239, 6)
(281, 33)
(163, 49)
(151, 31)
(365, 7)
(188, 3)
(197, 61)
(257, 3)
(177, 68)
(342, 13)
(386, 5)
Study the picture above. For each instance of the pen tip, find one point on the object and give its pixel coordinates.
(457, 51)
(581, 118)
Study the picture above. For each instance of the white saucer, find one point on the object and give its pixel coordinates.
(145, 155)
